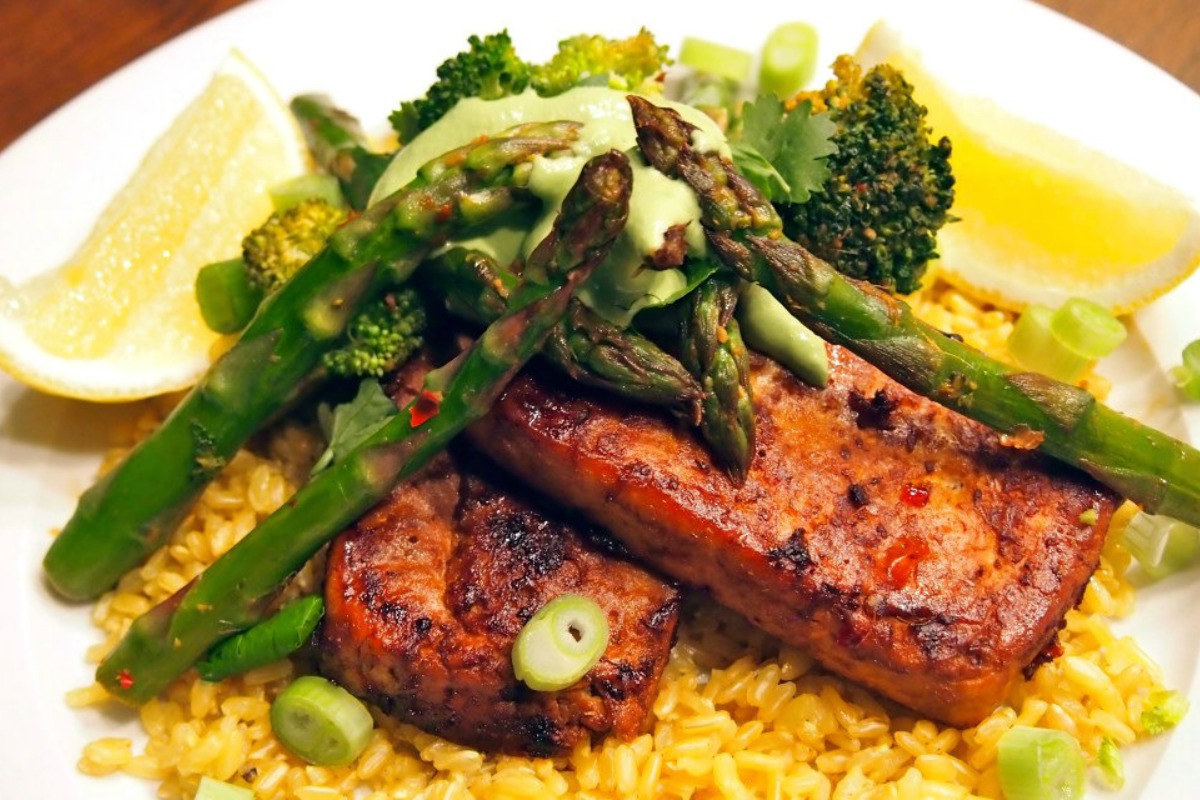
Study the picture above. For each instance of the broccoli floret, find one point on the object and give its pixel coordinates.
(288, 239)
(490, 69)
(890, 187)
(380, 337)
(632, 64)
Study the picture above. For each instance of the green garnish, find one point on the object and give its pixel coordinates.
(1187, 374)
(716, 59)
(794, 143)
(212, 789)
(1087, 328)
(227, 295)
(266, 642)
(789, 59)
(1039, 764)
(560, 643)
(1089, 517)
(320, 722)
(1063, 343)
(350, 424)
(1110, 764)
(1164, 711)
(1160, 544)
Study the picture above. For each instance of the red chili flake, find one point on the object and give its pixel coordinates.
(901, 558)
(446, 212)
(125, 680)
(915, 495)
(425, 409)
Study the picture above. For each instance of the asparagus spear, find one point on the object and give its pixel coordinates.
(584, 345)
(1146, 466)
(340, 147)
(131, 510)
(233, 593)
(703, 333)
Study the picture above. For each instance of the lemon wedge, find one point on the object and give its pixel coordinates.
(1042, 217)
(119, 321)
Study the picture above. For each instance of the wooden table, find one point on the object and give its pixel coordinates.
(50, 50)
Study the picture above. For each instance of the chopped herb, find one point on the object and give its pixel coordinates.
(1089, 517)
(794, 144)
(350, 424)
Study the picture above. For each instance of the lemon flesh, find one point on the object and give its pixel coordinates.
(119, 320)
(1043, 218)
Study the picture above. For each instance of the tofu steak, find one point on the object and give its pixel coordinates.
(906, 547)
(425, 596)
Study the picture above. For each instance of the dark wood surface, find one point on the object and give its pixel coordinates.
(51, 50)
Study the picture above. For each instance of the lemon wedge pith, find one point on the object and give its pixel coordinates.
(119, 321)
(1043, 218)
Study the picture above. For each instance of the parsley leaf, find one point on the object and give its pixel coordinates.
(795, 145)
(351, 424)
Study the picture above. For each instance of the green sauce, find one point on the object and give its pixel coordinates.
(621, 286)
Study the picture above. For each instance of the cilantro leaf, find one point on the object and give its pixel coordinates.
(759, 171)
(351, 424)
(795, 144)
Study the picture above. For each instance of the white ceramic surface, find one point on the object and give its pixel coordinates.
(369, 54)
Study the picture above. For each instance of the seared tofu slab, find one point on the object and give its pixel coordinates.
(906, 547)
(425, 596)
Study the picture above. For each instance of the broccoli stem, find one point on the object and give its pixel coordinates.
(133, 508)
(1140, 463)
(233, 594)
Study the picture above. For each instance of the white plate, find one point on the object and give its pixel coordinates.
(369, 55)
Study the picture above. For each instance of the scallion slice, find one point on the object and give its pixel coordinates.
(560, 643)
(1163, 711)
(1110, 764)
(716, 59)
(1039, 764)
(1087, 328)
(1034, 347)
(789, 59)
(292, 192)
(1187, 375)
(227, 295)
(1063, 343)
(1160, 544)
(320, 722)
(211, 789)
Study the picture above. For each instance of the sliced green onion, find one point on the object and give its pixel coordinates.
(211, 789)
(560, 643)
(1087, 328)
(1160, 544)
(789, 59)
(1039, 764)
(320, 722)
(1112, 767)
(1187, 375)
(1034, 347)
(265, 643)
(227, 295)
(316, 186)
(716, 59)
(1163, 711)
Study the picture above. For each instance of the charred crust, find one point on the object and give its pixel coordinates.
(857, 494)
(792, 555)
(874, 412)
